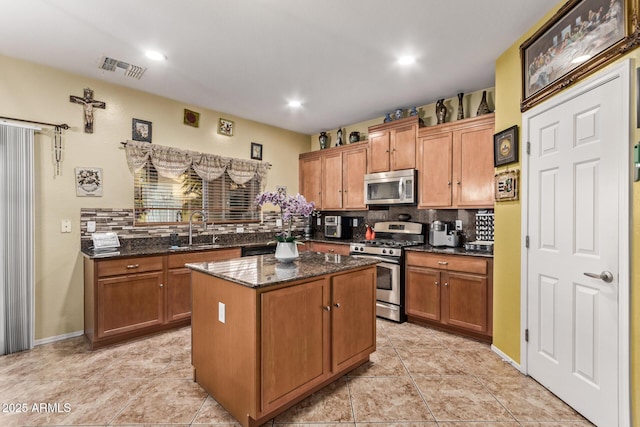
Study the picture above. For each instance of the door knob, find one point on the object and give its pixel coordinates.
(605, 276)
(337, 305)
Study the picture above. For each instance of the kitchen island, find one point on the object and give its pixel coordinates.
(265, 334)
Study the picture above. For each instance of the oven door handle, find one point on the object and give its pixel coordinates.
(379, 258)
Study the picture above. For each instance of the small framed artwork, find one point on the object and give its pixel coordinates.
(225, 127)
(506, 185)
(256, 151)
(88, 182)
(191, 118)
(505, 146)
(141, 130)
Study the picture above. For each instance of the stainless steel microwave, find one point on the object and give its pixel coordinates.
(391, 188)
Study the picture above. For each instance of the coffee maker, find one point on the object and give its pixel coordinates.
(337, 227)
(443, 234)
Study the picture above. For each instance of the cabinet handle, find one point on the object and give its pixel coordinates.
(458, 182)
(436, 283)
(446, 284)
(161, 285)
(332, 250)
(133, 266)
(328, 308)
(443, 262)
(337, 305)
(449, 183)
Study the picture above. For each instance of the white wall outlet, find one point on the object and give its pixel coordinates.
(65, 226)
(222, 312)
(91, 226)
(319, 221)
(239, 229)
(278, 223)
(355, 222)
(458, 224)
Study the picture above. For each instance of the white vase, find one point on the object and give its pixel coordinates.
(286, 251)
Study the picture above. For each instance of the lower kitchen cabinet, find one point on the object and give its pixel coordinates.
(454, 292)
(126, 298)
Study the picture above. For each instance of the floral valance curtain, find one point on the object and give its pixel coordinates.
(172, 162)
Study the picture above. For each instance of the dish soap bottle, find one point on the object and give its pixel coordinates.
(370, 234)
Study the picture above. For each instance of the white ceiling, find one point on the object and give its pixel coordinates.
(250, 57)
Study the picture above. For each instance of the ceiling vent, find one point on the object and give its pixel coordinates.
(130, 70)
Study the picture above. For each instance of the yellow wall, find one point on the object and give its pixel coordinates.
(33, 92)
(427, 112)
(506, 321)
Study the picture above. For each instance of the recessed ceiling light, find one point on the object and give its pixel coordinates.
(295, 104)
(156, 56)
(406, 60)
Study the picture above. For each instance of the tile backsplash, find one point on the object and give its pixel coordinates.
(121, 221)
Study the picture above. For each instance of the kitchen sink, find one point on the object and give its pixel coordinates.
(194, 247)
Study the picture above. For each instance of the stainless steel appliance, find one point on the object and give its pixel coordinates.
(337, 227)
(387, 247)
(443, 234)
(391, 188)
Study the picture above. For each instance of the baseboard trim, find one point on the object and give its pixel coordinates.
(58, 338)
(507, 358)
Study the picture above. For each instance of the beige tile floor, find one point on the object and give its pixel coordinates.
(417, 377)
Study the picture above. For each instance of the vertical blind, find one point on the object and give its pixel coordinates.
(16, 238)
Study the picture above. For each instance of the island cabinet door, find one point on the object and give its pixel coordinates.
(129, 303)
(353, 317)
(294, 341)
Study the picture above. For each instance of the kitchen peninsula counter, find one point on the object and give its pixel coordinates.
(265, 335)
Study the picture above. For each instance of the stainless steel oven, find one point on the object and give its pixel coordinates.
(391, 237)
(388, 288)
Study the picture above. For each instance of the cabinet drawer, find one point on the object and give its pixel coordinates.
(179, 260)
(467, 264)
(121, 266)
(331, 248)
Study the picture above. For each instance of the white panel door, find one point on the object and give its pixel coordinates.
(573, 211)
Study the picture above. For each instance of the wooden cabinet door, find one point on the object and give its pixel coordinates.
(178, 294)
(422, 289)
(465, 301)
(434, 171)
(353, 313)
(354, 167)
(311, 180)
(294, 340)
(128, 303)
(403, 148)
(379, 146)
(332, 181)
(473, 171)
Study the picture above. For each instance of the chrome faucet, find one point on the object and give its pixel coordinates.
(204, 224)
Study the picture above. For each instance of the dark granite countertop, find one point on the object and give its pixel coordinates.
(447, 250)
(126, 251)
(264, 270)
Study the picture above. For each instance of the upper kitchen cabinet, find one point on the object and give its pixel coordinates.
(334, 178)
(392, 145)
(455, 164)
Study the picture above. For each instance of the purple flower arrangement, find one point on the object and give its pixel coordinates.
(289, 206)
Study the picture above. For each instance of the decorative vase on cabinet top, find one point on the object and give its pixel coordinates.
(483, 108)
(460, 106)
(324, 140)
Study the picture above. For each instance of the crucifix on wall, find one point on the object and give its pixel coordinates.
(88, 104)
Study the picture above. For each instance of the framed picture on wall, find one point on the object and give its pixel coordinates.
(88, 182)
(505, 146)
(256, 151)
(581, 37)
(225, 127)
(141, 130)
